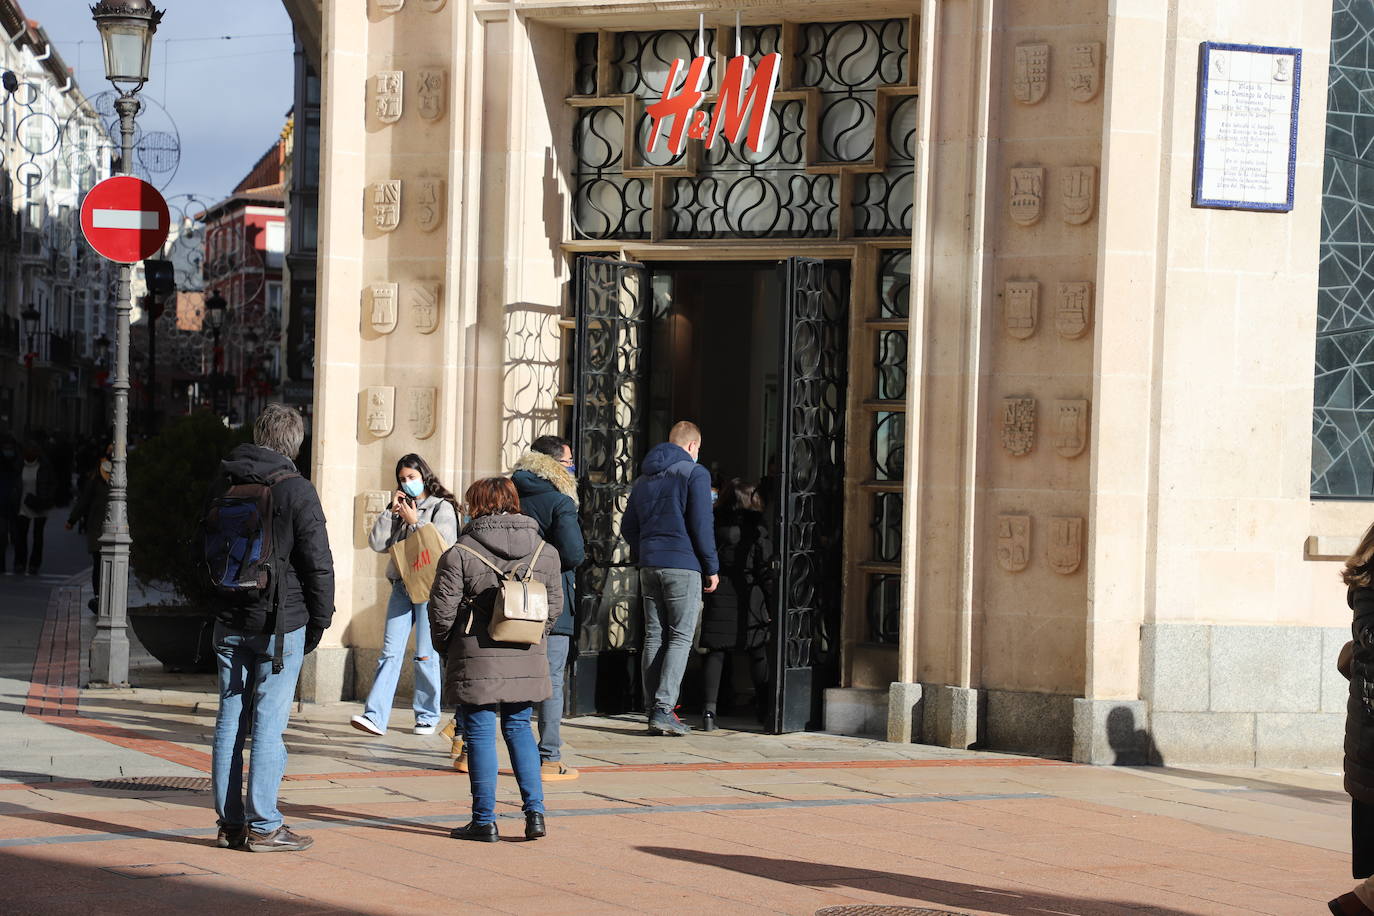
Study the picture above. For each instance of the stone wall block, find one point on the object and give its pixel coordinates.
(1268, 669)
(1335, 688)
(1286, 740)
(1175, 667)
(1203, 738)
(1040, 724)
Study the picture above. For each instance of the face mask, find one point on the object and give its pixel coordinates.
(106, 468)
(413, 488)
(715, 497)
(572, 469)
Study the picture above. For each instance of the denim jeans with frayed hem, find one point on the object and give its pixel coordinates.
(479, 730)
(252, 702)
(401, 616)
(672, 606)
(550, 711)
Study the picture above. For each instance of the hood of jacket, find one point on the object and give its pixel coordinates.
(508, 536)
(663, 456)
(250, 463)
(538, 473)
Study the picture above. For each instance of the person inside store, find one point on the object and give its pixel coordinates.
(1356, 662)
(418, 500)
(548, 494)
(88, 514)
(38, 494)
(736, 615)
(495, 680)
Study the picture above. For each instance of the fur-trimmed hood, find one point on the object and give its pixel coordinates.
(546, 468)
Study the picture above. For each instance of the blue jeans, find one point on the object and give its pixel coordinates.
(252, 701)
(551, 710)
(479, 730)
(672, 606)
(401, 615)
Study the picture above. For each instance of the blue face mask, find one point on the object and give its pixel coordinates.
(572, 469)
(413, 488)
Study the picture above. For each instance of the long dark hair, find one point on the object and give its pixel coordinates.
(1359, 568)
(432, 484)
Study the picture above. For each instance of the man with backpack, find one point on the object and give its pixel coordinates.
(269, 562)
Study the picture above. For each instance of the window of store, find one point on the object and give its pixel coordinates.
(1343, 413)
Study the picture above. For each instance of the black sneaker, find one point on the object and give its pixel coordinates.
(534, 825)
(231, 837)
(667, 723)
(481, 833)
(708, 721)
(279, 840)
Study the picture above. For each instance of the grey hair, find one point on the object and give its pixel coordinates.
(281, 429)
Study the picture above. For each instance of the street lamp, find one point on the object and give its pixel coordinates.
(216, 310)
(126, 34)
(31, 317)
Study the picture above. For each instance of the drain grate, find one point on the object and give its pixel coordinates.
(156, 784)
(866, 909)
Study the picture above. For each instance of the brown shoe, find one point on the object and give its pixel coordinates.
(460, 761)
(279, 840)
(1349, 905)
(554, 770)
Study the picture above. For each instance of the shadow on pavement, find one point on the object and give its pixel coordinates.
(926, 890)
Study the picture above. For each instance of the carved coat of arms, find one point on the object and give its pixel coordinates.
(1021, 308)
(388, 95)
(380, 307)
(1065, 549)
(1078, 185)
(432, 89)
(1018, 425)
(1031, 75)
(429, 203)
(422, 412)
(424, 307)
(380, 405)
(373, 504)
(385, 198)
(1085, 71)
(390, 6)
(1027, 194)
(1074, 314)
(1070, 427)
(1013, 542)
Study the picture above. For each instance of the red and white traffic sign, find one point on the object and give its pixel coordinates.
(125, 219)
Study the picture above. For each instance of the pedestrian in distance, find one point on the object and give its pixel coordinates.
(493, 679)
(38, 494)
(269, 614)
(418, 500)
(11, 487)
(544, 480)
(88, 514)
(736, 615)
(669, 526)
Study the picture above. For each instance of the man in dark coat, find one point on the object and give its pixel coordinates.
(254, 699)
(88, 513)
(670, 529)
(548, 494)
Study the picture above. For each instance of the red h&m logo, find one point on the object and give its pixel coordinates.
(732, 106)
(421, 561)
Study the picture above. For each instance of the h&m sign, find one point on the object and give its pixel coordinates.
(734, 104)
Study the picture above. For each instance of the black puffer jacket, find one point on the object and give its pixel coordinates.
(298, 533)
(1359, 711)
(735, 615)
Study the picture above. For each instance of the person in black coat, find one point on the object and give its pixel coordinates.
(548, 494)
(736, 615)
(11, 488)
(88, 513)
(1358, 665)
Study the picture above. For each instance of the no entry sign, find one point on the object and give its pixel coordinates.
(125, 219)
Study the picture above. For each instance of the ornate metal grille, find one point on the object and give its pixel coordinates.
(611, 349)
(1343, 415)
(841, 135)
(884, 608)
(811, 553)
(889, 364)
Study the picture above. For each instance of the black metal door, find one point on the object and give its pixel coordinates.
(810, 509)
(613, 310)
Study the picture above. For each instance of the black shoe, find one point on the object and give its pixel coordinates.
(708, 721)
(480, 833)
(667, 723)
(279, 840)
(94, 605)
(33, 570)
(231, 837)
(534, 825)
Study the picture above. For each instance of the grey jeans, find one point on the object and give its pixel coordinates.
(672, 605)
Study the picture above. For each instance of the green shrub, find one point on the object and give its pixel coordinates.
(169, 479)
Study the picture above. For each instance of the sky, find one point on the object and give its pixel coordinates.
(227, 99)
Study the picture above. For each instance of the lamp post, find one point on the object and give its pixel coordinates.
(102, 353)
(126, 34)
(31, 317)
(216, 309)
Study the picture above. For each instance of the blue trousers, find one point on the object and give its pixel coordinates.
(252, 702)
(401, 616)
(550, 711)
(479, 730)
(672, 605)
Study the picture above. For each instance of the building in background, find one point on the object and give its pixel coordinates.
(55, 148)
(302, 237)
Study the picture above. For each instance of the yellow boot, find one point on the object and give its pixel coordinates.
(459, 753)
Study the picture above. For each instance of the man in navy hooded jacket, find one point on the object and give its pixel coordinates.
(669, 527)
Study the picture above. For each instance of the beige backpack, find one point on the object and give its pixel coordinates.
(521, 609)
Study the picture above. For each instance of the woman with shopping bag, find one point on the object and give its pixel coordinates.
(422, 524)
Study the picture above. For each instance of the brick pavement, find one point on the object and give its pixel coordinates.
(730, 822)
